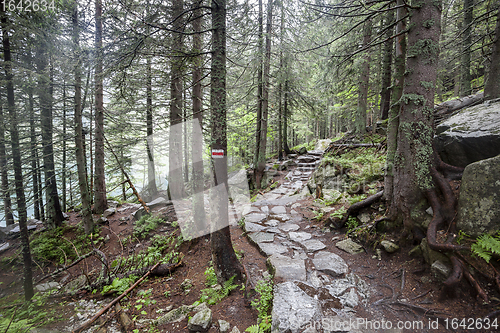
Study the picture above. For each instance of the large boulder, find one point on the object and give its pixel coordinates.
(326, 175)
(322, 144)
(479, 202)
(471, 135)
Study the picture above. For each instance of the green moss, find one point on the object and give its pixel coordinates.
(427, 85)
(428, 23)
(426, 48)
(414, 98)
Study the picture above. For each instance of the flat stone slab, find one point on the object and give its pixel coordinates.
(47, 286)
(293, 309)
(278, 210)
(313, 245)
(349, 246)
(252, 227)
(274, 230)
(281, 217)
(288, 268)
(289, 227)
(271, 248)
(261, 237)
(272, 223)
(255, 218)
(330, 263)
(299, 236)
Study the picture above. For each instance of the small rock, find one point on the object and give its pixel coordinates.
(47, 286)
(429, 211)
(174, 316)
(350, 246)
(108, 212)
(351, 299)
(261, 237)
(364, 218)
(415, 252)
(289, 227)
(389, 247)
(235, 330)
(288, 268)
(102, 221)
(186, 284)
(201, 321)
(158, 202)
(278, 210)
(224, 326)
(440, 270)
(313, 245)
(4, 247)
(65, 216)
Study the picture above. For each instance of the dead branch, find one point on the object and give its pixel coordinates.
(62, 269)
(107, 307)
(127, 178)
(358, 206)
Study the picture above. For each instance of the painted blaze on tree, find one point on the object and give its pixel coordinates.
(414, 155)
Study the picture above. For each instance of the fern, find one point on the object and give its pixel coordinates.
(486, 246)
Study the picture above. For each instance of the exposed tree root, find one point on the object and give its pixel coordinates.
(357, 207)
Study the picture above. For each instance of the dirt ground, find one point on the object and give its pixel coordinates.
(403, 288)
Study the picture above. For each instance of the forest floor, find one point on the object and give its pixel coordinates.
(403, 290)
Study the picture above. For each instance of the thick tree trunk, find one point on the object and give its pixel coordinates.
(88, 222)
(258, 173)
(16, 157)
(397, 92)
(492, 86)
(385, 94)
(40, 186)
(100, 201)
(224, 260)
(414, 154)
(465, 84)
(7, 203)
(53, 207)
(364, 80)
(175, 180)
(153, 191)
(197, 142)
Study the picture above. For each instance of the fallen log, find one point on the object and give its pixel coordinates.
(443, 110)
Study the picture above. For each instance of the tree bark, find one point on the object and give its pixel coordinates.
(492, 86)
(153, 190)
(53, 206)
(100, 201)
(64, 135)
(16, 157)
(364, 81)
(224, 260)
(465, 84)
(7, 203)
(385, 94)
(258, 173)
(37, 195)
(414, 154)
(175, 181)
(197, 142)
(88, 222)
(398, 85)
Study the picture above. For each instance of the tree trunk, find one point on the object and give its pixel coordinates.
(40, 186)
(286, 114)
(37, 195)
(398, 85)
(364, 80)
(16, 157)
(7, 204)
(64, 135)
(258, 173)
(224, 260)
(88, 222)
(100, 201)
(261, 163)
(414, 154)
(465, 84)
(153, 191)
(385, 95)
(197, 142)
(492, 86)
(175, 181)
(53, 207)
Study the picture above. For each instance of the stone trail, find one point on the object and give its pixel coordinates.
(315, 291)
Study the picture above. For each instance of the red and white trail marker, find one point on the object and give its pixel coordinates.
(217, 153)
